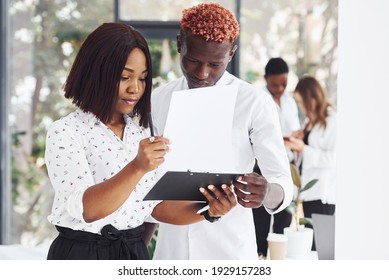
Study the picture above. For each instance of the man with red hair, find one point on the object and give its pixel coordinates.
(206, 44)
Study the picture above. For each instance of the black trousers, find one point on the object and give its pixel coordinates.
(316, 206)
(262, 220)
(112, 244)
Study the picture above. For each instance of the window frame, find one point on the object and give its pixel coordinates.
(5, 183)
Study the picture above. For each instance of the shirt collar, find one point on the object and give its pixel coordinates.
(91, 119)
(225, 79)
(87, 117)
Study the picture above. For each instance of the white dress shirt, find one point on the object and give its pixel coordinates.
(256, 134)
(319, 162)
(288, 113)
(80, 152)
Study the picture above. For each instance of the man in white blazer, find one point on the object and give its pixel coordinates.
(206, 46)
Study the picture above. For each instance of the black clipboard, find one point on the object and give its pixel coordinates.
(184, 185)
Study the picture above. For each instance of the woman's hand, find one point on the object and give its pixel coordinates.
(298, 134)
(220, 202)
(151, 153)
(295, 144)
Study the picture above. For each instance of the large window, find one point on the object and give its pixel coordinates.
(304, 33)
(44, 36)
(162, 11)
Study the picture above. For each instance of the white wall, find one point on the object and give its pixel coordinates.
(362, 214)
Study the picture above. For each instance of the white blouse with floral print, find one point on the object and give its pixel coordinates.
(81, 151)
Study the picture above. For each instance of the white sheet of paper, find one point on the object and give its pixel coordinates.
(199, 124)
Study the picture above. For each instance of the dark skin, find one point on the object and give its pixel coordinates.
(276, 84)
(203, 63)
(183, 212)
(110, 194)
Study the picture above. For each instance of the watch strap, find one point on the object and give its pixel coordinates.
(208, 217)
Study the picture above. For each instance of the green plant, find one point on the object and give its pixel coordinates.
(152, 244)
(293, 207)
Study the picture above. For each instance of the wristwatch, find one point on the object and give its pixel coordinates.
(209, 218)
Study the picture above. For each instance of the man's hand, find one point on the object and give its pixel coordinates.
(251, 190)
(255, 191)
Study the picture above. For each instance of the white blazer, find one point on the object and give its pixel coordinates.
(256, 134)
(319, 162)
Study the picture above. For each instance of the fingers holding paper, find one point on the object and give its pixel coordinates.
(220, 201)
(151, 153)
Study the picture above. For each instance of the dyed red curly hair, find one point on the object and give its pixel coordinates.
(211, 21)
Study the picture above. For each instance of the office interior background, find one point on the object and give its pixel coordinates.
(39, 40)
(44, 36)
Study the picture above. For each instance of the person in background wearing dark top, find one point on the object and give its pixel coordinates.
(276, 76)
(101, 159)
(206, 44)
(317, 149)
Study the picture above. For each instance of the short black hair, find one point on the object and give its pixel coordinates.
(276, 66)
(93, 81)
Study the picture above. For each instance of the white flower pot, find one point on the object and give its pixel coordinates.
(299, 242)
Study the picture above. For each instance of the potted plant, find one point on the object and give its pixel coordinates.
(300, 238)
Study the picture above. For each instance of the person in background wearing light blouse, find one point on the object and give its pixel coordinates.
(101, 159)
(206, 44)
(316, 147)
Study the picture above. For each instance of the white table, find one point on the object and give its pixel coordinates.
(20, 252)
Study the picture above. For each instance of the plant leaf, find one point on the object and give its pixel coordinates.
(291, 208)
(295, 175)
(305, 221)
(309, 185)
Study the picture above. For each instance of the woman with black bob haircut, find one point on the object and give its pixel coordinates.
(98, 67)
(101, 158)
